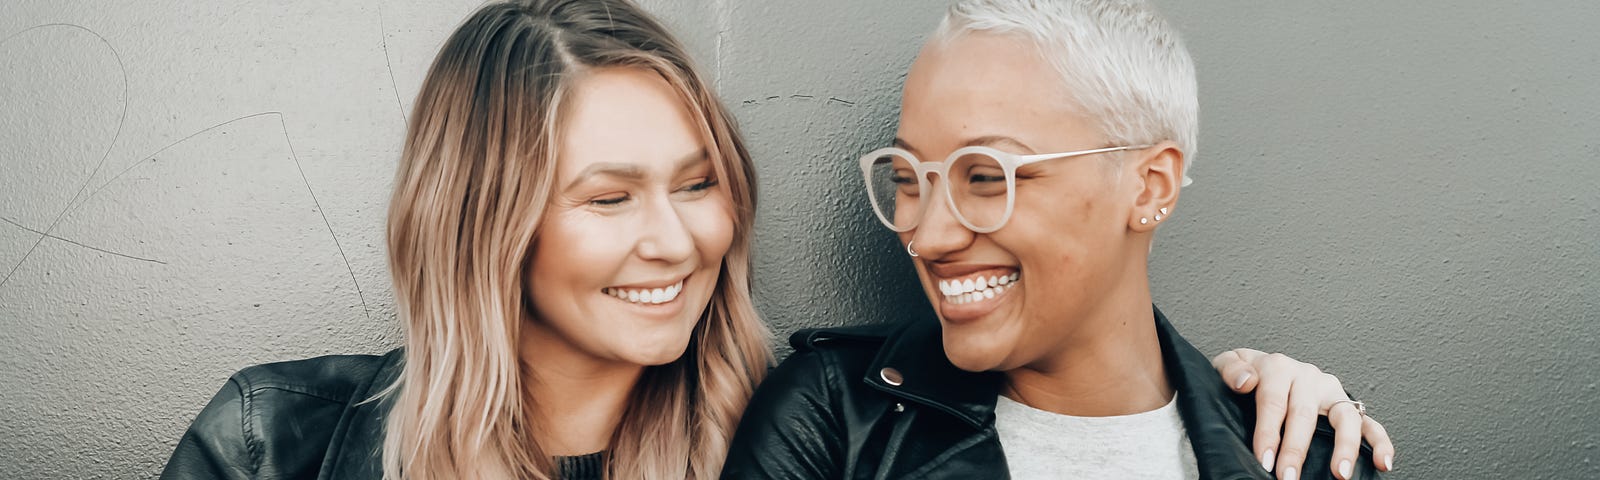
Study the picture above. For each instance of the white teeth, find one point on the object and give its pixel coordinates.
(647, 296)
(961, 292)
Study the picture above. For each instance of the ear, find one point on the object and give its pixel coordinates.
(1158, 172)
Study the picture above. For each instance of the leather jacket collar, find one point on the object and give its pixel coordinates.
(1218, 427)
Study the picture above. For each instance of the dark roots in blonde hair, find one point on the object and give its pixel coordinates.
(473, 183)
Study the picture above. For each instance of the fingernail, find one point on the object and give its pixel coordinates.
(1344, 469)
(1290, 473)
(1266, 460)
(1388, 463)
(1238, 384)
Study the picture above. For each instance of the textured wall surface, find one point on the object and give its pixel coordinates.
(1403, 193)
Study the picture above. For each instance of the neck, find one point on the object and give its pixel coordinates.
(577, 399)
(1110, 366)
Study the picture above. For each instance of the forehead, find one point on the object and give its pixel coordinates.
(624, 115)
(978, 84)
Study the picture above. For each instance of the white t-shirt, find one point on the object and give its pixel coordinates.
(1042, 444)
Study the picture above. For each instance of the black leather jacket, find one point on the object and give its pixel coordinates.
(883, 402)
(301, 419)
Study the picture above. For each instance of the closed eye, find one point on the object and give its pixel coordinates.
(611, 200)
(704, 184)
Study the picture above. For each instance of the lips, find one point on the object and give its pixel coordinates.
(646, 295)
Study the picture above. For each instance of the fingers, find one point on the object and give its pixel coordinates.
(1272, 405)
(1347, 429)
(1298, 427)
(1239, 374)
(1382, 448)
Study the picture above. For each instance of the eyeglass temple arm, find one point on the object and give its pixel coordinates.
(1027, 159)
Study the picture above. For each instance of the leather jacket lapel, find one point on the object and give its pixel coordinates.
(1216, 426)
(915, 360)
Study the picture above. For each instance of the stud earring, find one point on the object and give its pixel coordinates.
(1158, 218)
(1163, 210)
(1143, 220)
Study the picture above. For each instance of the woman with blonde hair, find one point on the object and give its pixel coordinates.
(570, 244)
(569, 241)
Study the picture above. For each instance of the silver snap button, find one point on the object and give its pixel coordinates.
(899, 407)
(891, 376)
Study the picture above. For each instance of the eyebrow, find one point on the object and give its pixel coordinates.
(986, 140)
(632, 171)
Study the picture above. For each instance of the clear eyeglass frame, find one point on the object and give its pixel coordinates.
(1009, 162)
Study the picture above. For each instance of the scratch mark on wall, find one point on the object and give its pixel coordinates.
(121, 119)
(798, 97)
(97, 249)
(383, 32)
(294, 156)
(152, 157)
(364, 309)
(722, 13)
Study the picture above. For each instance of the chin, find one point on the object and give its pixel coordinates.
(663, 349)
(975, 353)
(650, 356)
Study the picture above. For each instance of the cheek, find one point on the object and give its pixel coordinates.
(710, 222)
(575, 251)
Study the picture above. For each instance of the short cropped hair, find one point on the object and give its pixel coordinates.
(1122, 64)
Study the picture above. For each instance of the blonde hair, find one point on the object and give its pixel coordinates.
(474, 180)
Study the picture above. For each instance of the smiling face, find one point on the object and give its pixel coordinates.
(1012, 297)
(628, 254)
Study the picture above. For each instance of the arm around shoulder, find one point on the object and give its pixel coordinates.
(216, 445)
(791, 428)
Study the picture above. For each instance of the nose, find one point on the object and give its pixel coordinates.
(665, 236)
(939, 233)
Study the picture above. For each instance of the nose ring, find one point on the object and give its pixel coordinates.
(909, 250)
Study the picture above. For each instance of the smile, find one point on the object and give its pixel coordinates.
(977, 288)
(647, 296)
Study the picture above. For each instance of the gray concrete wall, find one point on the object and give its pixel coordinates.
(1402, 192)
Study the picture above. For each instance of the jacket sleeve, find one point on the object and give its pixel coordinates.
(1319, 457)
(791, 429)
(217, 445)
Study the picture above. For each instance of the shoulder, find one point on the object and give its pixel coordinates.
(307, 397)
(825, 371)
(277, 417)
(796, 425)
(334, 378)
(832, 355)
(869, 336)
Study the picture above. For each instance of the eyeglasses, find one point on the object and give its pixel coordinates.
(981, 195)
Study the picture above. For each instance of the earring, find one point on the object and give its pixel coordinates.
(1158, 218)
(909, 250)
(1143, 220)
(1163, 210)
